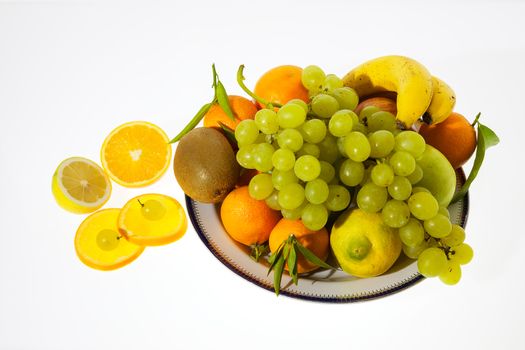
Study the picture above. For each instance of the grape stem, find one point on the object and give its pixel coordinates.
(142, 204)
(240, 81)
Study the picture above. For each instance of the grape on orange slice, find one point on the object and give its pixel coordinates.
(80, 185)
(136, 154)
(99, 245)
(152, 219)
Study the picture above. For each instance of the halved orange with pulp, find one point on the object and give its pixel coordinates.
(136, 154)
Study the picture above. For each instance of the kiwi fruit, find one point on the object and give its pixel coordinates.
(205, 166)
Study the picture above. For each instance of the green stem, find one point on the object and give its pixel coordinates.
(476, 120)
(240, 81)
(194, 122)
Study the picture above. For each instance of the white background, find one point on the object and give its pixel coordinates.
(71, 72)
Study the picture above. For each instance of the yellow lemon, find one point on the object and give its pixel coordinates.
(152, 219)
(80, 185)
(363, 245)
(99, 245)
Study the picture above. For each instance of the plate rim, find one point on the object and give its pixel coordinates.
(410, 281)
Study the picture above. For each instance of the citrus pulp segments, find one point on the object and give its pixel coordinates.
(91, 254)
(136, 154)
(67, 185)
(139, 230)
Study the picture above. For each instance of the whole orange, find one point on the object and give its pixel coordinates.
(242, 108)
(281, 84)
(316, 241)
(455, 137)
(247, 220)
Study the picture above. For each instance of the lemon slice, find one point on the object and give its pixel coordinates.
(152, 219)
(80, 185)
(136, 154)
(99, 245)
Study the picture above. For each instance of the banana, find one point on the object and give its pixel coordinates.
(407, 77)
(442, 104)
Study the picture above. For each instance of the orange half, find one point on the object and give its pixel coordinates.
(136, 154)
(165, 222)
(99, 245)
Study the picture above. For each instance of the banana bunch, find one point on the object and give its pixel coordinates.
(419, 94)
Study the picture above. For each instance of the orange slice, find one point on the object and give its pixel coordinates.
(152, 219)
(99, 245)
(80, 185)
(136, 154)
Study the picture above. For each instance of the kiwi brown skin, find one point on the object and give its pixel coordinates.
(205, 166)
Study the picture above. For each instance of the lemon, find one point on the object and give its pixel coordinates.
(99, 245)
(363, 245)
(80, 185)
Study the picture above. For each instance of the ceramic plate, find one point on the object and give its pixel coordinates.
(324, 286)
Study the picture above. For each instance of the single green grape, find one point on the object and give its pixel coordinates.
(312, 78)
(413, 252)
(307, 168)
(400, 188)
(438, 226)
(309, 149)
(338, 198)
(332, 82)
(291, 115)
(418, 189)
(341, 146)
(367, 112)
(272, 201)
(291, 196)
(314, 216)
(452, 274)
(423, 205)
(329, 150)
(382, 175)
(381, 143)
(283, 178)
(290, 139)
(395, 213)
(432, 262)
(416, 175)
(351, 173)
(260, 186)
(313, 130)
(412, 233)
(341, 123)
(403, 163)
(246, 132)
(262, 157)
(324, 106)
(346, 97)
(462, 254)
(266, 121)
(372, 198)
(455, 237)
(245, 156)
(108, 240)
(381, 121)
(444, 211)
(327, 171)
(283, 159)
(293, 214)
(153, 210)
(411, 142)
(316, 191)
(357, 146)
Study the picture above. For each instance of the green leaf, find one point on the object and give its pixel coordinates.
(222, 98)
(278, 274)
(292, 263)
(274, 257)
(194, 122)
(486, 139)
(311, 257)
(258, 250)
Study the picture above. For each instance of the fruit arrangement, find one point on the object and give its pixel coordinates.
(361, 168)
(311, 166)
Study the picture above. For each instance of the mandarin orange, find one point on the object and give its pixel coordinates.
(281, 84)
(242, 108)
